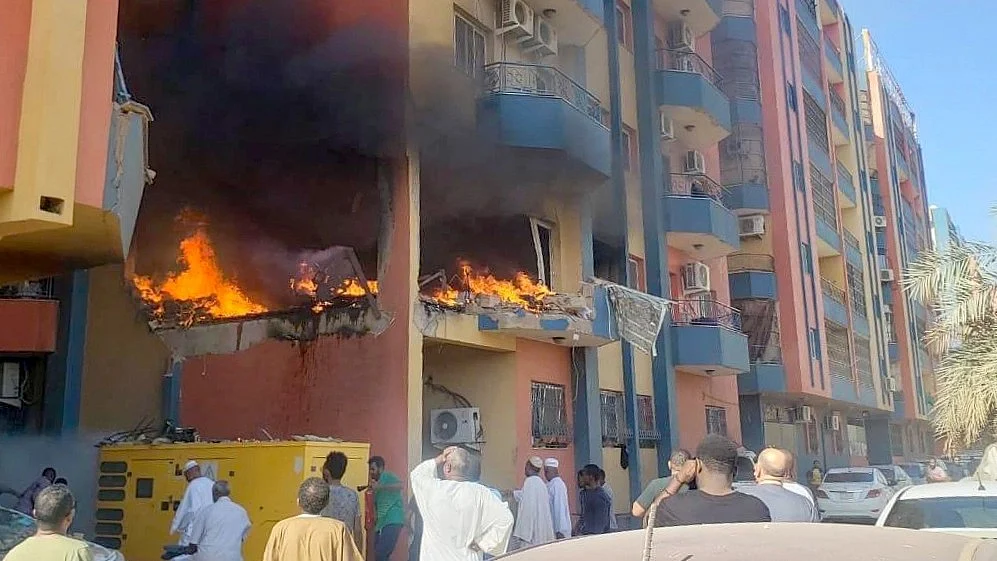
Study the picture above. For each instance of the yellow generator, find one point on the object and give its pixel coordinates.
(140, 487)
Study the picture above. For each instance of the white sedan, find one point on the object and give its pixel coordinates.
(856, 493)
(966, 507)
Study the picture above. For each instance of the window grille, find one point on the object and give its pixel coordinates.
(716, 420)
(550, 425)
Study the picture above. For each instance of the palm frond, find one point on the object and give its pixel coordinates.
(966, 381)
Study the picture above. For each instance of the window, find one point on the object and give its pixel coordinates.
(542, 236)
(838, 353)
(814, 344)
(816, 123)
(856, 289)
(628, 134)
(823, 193)
(791, 96)
(812, 437)
(784, 20)
(856, 441)
(614, 423)
(837, 437)
(648, 429)
(798, 181)
(863, 362)
(810, 53)
(636, 273)
(716, 420)
(808, 260)
(550, 425)
(944, 512)
(469, 47)
(624, 26)
(849, 477)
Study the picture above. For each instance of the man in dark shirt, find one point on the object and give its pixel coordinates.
(714, 502)
(595, 504)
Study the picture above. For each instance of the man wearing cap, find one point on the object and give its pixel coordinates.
(533, 522)
(558, 491)
(195, 497)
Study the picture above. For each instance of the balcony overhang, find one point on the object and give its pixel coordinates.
(839, 130)
(747, 198)
(700, 15)
(709, 350)
(752, 285)
(762, 378)
(828, 240)
(699, 110)
(592, 328)
(835, 70)
(701, 227)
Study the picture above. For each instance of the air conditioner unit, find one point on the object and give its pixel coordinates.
(10, 380)
(695, 278)
(680, 36)
(666, 126)
(749, 226)
(544, 39)
(516, 17)
(891, 384)
(886, 275)
(455, 426)
(835, 422)
(879, 221)
(801, 415)
(695, 162)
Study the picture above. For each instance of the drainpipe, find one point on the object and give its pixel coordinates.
(652, 171)
(620, 196)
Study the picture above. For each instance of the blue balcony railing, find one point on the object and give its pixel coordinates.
(706, 312)
(845, 182)
(695, 185)
(533, 79)
(687, 61)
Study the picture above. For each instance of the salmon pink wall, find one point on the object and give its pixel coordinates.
(28, 326)
(15, 25)
(693, 394)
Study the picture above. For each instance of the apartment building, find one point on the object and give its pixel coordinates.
(801, 173)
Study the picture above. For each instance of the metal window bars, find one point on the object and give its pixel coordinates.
(831, 49)
(533, 79)
(550, 425)
(850, 240)
(810, 54)
(837, 104)
(705, 311)
(688, 61)
(716, 420)
(42, 289)
(613, 417)
(832, 291)
(740, 262)
(765, 354)
(694, 185)
(647, 431)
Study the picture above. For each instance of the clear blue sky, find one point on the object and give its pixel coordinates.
(942, 53)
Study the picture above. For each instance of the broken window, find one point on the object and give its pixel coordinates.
(636, 273)
(614, 423)
(550, 426)
(469, 47)
(542, 234)
(716, 420)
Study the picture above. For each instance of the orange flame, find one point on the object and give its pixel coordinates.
(520, 291)
(200, 281)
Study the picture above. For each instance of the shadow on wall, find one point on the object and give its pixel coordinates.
(23, 458)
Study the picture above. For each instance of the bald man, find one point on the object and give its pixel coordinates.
(771, 470)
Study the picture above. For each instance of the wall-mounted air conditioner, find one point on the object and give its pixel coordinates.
(666, 126)
(879, 221)
(694, 162)
(835, 422)
(695, 278)
(515, 17)
(891, 384)
(544, 39)
(886, 275)
(802, 414)
(750, 226)
(680, 36)
(459, 425)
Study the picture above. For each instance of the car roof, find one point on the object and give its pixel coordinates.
(771, 541)
(965, 488)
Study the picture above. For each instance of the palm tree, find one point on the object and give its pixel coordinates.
(961, 286)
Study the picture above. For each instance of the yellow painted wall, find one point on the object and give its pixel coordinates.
(487, 379)
(124, 361)
(617, 478)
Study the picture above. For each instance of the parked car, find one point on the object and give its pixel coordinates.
(16, 527)
(962, 507)
(896, 477)
(744, 469)
(855, 493)
(915, 471)
(772, 542)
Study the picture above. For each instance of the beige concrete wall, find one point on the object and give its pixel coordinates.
(124, 362)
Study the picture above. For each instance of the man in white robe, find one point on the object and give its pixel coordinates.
(195, 497)
(560, 515)
(220, 529)
(533, 522)
(461, 519)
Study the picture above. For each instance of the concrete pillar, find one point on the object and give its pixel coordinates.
(64, 368)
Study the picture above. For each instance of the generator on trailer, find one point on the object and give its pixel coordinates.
(140, 487)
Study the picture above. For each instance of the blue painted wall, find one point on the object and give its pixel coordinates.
(752, 429)
(690, 89)
(752, 284)
(835, 311)
(696, 345)
(827, 233)
(748, 196)
(766, 378)
(702, 215)
(64, 367)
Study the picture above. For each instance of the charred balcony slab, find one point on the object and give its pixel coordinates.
(698, 222)
(554, 123)
(700, 15)
(707, 338)
(581, 320)
(747, 198)
(689, 92)
(751, 276)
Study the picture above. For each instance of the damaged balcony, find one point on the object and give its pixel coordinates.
(555, 123)
(698, 222)
(689, 91)
(707, 338)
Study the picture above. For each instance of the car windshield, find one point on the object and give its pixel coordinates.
(944, 512)
(848, 477)
(744, 470)
(14, 528)
(913, 470)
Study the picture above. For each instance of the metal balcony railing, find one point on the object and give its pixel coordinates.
(688, 61)
(832, 291)
(705, 312)
(832, 50)
(840, 369)
(837, 103)
(844, 173)
(741, 262)
(851, 241)
(694, 185)
(765, 354)
(533, 79)
(739, 8)
(808, 7)
(28, 290)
